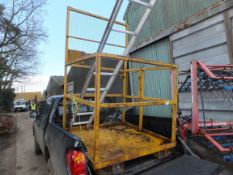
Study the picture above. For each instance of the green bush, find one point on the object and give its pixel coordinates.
(6, 100)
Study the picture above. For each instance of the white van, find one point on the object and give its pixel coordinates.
(21, 105)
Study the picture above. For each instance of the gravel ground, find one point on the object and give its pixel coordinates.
(7, 154)
(8, 151)
(16, 150)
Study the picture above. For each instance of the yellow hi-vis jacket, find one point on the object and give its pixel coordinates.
(33, 106)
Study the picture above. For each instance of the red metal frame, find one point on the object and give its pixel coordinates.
(196, 124)
(211, 123)
(216, 144)
(207, 70)
(195, 106)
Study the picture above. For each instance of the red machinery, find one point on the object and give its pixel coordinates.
(6, 123)
(203, 78)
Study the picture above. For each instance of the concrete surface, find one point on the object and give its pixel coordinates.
(7, 153)
(17, 150)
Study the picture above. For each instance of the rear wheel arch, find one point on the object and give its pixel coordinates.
(48, 161)
(33, 130)
(46, 154)
(37, 148)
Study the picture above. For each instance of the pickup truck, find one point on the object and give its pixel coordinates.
(66, 153)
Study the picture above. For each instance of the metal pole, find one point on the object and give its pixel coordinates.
(97, 107)
(126, 52)
(126, 78)
(202, 99)
(125, 89)
(104, 39)
(195, 104)
(174, 105)
(141, 95)
(139, 28)
(65, 70)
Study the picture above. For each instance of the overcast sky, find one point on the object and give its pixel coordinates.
(53, 50)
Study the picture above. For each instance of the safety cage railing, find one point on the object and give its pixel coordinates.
(141, 100)
(84, 31)
(80, 56)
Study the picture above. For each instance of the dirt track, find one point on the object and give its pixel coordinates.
(16, 150)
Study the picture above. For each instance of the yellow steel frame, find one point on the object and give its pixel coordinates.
(78, 63)
(139, 101)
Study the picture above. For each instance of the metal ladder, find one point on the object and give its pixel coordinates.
(104, 39)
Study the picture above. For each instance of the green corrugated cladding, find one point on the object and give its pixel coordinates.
(165, 14)
(157, 83)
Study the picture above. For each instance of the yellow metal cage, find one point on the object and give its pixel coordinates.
(93, 134)
(110, 144)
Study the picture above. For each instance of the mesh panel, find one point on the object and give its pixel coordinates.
(86, 31)
(212, 90)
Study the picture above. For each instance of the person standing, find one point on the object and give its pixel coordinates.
(34, 112)
(33, 106)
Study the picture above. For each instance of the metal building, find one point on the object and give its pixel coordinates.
(77, 75)
(179, 31)
(54, 87)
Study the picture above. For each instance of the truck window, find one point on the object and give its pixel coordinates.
(70, 111)
(45, 109)
(58, 115)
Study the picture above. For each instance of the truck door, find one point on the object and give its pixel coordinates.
(41, 122)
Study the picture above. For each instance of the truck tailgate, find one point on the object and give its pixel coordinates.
(185, 165)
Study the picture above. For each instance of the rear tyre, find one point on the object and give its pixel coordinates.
(37, 149)
(49, 166)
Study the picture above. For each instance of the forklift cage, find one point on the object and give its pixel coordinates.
(141, 102)
(77, 59)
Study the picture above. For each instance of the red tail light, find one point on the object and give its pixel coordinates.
(76, 162)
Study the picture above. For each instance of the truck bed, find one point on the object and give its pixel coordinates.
(119, 143)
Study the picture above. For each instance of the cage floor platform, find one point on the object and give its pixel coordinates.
(119, 143)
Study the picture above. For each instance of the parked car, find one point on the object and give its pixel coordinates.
(21, 105)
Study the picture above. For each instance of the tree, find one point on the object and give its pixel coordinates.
(6, 100)
(20, 32)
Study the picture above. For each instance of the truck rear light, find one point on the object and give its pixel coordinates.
(76, 162)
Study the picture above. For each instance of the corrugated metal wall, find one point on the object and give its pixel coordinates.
(205, 41)
(53, 87)
(165, 14)
(157, 84)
